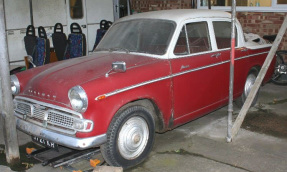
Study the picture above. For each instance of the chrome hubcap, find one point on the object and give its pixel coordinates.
(249, 83)
(133, 138)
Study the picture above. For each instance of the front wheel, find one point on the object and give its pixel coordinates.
(279, 76)
(130, 137)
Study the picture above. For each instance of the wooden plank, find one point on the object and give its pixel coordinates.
(258, 81)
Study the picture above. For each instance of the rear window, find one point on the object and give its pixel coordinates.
(222, 30)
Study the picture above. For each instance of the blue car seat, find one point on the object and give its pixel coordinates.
(104, 26)
(76, 42)
(42, 55)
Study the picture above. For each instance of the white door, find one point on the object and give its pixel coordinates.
(77, 13)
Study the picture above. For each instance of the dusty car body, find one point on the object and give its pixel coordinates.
(169, 67)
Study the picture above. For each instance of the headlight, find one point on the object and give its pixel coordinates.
(15, 85)
(78, 99)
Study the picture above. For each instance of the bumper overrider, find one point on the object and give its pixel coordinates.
(61, 139)
(55, 124)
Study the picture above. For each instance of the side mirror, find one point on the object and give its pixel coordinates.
(30, 60)
(117, 67)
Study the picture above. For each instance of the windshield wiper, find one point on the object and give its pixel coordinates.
(102, 49)
(119, 48)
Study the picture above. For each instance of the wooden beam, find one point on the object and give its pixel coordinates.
(7, 110)
(259, 79)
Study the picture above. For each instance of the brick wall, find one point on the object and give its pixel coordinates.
(254, 22)
(154, 5)
(263, 24)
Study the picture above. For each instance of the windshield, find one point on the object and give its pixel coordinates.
(142, 36)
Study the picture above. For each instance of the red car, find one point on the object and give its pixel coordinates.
(151, 72)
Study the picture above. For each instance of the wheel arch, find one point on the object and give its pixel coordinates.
(255, 68)
(152, 106)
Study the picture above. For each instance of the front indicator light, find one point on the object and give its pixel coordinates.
(78, 125)
(101, 97)
(83, 125)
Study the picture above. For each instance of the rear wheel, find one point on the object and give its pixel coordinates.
(130, 137)
(279, 76)
(250, 80)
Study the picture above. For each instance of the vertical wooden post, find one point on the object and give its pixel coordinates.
(7, 111)
(259, 79)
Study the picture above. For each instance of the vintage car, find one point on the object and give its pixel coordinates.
(151, 73)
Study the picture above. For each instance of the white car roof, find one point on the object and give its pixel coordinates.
(178, 15)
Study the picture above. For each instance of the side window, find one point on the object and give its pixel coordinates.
(222, 32)
(181, 45)
(76, 9)
(197, 37)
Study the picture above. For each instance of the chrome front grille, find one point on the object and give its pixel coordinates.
(59, 119)
(37, 113)
(24, 108)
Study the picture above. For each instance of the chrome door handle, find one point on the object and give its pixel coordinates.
(244, 50)
(216, 55)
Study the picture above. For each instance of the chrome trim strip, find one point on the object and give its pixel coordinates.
(244, 57)
(195, 69)
(174, 75)
(135, 86)
(50, 106)
(251, 55)
(64, 140)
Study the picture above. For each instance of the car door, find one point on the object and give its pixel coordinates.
(196, 72)
(222, 34)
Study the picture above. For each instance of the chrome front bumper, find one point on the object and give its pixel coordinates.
(61, 139)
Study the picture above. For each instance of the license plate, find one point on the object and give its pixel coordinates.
(45, 143)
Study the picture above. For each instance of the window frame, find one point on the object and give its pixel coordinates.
(236, 36)
(188, 43)
(70, 8)
(274, 8)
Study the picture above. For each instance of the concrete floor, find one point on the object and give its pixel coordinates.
(201, 144)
